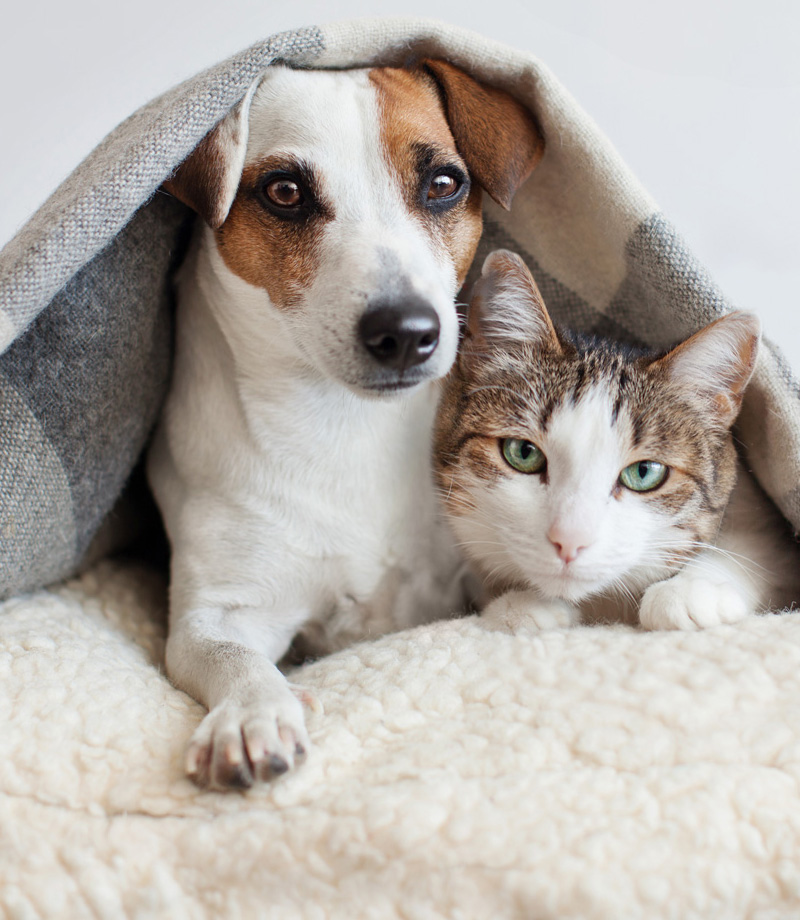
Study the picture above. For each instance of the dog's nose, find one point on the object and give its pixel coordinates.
(400, 336)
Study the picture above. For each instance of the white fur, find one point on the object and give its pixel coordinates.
(519, 611)
(458, 773)
(287, 495)
(510, 319)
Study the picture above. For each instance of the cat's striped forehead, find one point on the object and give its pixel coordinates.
(528, 386)
(635, 412)
(602, 377)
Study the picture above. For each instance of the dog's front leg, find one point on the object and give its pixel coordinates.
(255, 728)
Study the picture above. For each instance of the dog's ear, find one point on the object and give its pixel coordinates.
(496, 135)
(208, 178)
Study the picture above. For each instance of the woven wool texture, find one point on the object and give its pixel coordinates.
(84, 287)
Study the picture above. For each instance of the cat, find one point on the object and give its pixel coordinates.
(586, 480)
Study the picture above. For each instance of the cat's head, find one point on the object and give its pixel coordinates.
(571, 465)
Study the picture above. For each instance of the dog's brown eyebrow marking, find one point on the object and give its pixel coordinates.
(267, 251)
(430, 155)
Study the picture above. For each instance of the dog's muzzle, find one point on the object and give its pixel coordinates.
(400, 335)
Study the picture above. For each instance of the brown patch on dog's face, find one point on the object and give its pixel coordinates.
(270, 246)
(421, 152)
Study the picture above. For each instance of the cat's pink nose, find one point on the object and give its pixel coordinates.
(568, 542)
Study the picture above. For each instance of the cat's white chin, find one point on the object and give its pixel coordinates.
(571, 588)
(575, 586)
(576, 582)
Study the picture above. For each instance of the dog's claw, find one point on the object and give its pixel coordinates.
(308, 698)
(277, 765)
(237, 746)
(239, 777)
(197, 762)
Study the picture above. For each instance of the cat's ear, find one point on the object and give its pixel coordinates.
(717, 362)
(506, 307)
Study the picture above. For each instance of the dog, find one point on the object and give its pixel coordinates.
(340, 213)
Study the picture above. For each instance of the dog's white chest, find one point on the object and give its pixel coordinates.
(359, 525)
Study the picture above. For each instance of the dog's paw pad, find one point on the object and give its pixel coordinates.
(691, 602)
(236, 746)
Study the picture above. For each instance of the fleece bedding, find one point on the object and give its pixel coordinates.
(456, 773)
(601, 772)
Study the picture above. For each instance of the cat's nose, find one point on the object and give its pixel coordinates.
(568, 542)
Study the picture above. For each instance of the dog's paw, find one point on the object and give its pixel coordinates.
(689, 602)
(238, 745)
(523, 611)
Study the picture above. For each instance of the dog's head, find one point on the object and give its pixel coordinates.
(350, 202)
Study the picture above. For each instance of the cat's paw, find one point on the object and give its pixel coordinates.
(692, 602)
(524, 611)
(238, 745)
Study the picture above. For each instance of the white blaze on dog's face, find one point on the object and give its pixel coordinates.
(356, 217)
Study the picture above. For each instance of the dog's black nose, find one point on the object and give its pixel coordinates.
(400, 336)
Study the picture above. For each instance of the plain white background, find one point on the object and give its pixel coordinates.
(701, 97)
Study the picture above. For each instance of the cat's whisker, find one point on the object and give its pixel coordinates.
(499, 573)
(460, 502)
(680, 555)
(733, 556)
(621, 588)
(702, 544)
(477, 515)
(493, 386)
(720, 570)
(743, 562)
(446, 493)
(446, 496)
(463, 543)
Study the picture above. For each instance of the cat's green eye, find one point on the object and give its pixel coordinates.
(523, 456)
(644, 475)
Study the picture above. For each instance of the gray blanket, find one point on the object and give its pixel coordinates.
(85, 287)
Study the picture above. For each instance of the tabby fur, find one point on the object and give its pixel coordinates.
(598, 406)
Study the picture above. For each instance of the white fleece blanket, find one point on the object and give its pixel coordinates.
(602, 772)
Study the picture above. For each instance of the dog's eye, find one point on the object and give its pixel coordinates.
(284, 192)
(443, 186)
